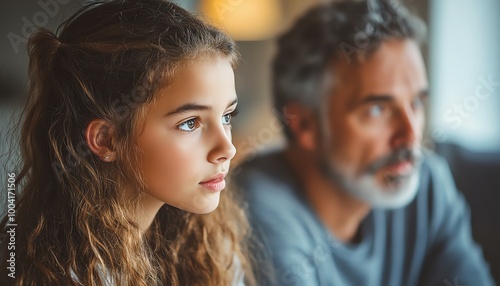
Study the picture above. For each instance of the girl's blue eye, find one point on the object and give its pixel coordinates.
(226, 119)
(188, 125)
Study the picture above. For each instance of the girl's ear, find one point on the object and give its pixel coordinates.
(100, 137)
(303, 125)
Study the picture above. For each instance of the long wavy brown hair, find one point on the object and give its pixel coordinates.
(74, 224)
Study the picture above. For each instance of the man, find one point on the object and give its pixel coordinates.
(353, 199)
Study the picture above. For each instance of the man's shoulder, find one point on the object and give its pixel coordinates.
(436, 175)
(267, 178)
(274, 197)
(434, 162)
(269, 162)
(437, 194)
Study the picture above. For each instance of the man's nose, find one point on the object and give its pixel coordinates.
(408, 129)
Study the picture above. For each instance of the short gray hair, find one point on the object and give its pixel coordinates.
(348, 28)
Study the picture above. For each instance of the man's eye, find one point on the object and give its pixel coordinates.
(417, 103)
(376, 110)
(188, 125)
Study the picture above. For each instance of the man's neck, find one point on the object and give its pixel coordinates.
(341, 213)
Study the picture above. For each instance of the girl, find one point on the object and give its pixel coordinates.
(125, 144)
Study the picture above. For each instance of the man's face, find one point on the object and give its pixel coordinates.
(375, 121)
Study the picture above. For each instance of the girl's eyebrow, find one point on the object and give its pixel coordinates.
(194, 107)
(235, 101)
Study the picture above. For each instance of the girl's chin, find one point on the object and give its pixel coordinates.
(202, 204)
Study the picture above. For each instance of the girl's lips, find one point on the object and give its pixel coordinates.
(215, 184)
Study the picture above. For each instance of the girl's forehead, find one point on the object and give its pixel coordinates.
(209, 81)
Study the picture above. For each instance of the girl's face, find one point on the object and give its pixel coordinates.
(186, 141)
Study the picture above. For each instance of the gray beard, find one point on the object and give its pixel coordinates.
(396, 193)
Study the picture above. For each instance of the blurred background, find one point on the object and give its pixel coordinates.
(463, 61)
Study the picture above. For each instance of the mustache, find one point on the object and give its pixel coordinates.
(412, 155)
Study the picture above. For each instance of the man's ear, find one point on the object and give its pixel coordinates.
(100, 137)
(303, 124)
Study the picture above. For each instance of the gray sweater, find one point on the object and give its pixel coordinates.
(428, 242)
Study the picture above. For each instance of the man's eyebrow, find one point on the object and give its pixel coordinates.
(385, 98)
(194, 107)
(377, 98)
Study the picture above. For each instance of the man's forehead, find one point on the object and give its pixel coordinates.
(396, 67)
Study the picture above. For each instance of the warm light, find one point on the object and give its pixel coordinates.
(244, 20)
